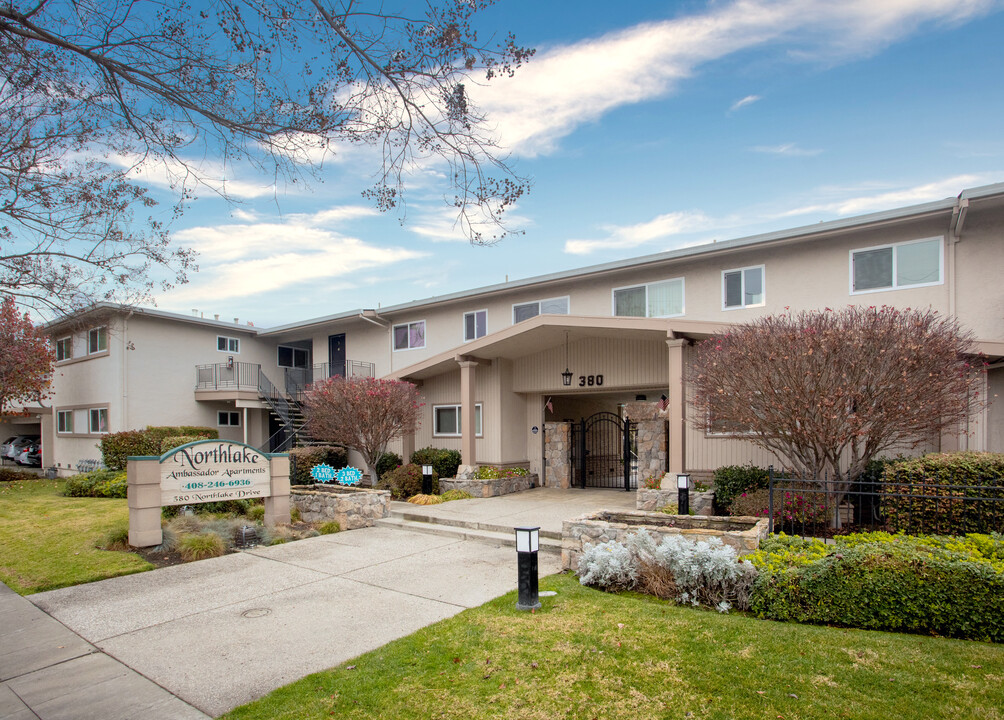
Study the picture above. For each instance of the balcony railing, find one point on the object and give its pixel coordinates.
(227, 376)
(297, 380)
(246, 376)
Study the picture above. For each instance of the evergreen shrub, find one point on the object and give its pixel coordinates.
(406, 481)
(303, 459)
(444, 462)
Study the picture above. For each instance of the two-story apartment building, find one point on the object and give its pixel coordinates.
(491, 362)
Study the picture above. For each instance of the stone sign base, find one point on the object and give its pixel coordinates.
(742, 533)
(352, 508)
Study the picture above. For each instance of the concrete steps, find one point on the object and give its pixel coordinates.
(499, 535)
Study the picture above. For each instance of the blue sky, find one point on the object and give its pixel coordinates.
(645, 127)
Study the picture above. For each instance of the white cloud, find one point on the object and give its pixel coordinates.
(567, 86)
(883, 198)
(621, 237)
(171, 173)
(748, 100)
(790, 149)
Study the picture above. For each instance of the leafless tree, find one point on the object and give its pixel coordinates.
(93, 91)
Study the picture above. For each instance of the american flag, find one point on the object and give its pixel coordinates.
(663, 402)
(549, 406)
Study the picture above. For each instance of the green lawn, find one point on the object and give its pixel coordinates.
(588, 654)
(48, 541)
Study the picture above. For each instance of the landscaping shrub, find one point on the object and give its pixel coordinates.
(444, 462)
(653, 482)
(201, 546)
(426, 499)
(176, 441)
(115, 539)
(387, 462)
(329, 528)
(99, 483)
(733, 480)
(944, 512)
(12, 475)
(456, 495)
(246, 507)
(303, 459)
(405, 481)
(117, 447)
(792, 509)
(490, 472)
(951, 586)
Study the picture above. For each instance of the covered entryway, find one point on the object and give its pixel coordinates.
(604, 452)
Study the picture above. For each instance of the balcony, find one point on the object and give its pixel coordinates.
(242, 377)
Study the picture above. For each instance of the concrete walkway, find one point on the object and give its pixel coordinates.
(218, 633)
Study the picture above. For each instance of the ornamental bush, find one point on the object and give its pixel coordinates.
(444, 462)
(406, 481)
(99, 483)
(11, 475)
(947, 478)
(117, 447)
(303, 459)
(733, 480)
(387, 462)
(176, 441)
(490, 472)
(951, 586)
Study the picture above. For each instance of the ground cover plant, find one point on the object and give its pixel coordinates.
(49, 541)
(590, 654)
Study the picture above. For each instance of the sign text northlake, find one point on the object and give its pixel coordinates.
(213, 471)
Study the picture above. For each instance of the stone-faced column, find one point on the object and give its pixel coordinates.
(467, 425)
(277, 504)
(677, 408)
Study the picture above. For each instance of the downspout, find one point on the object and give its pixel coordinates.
(954, 236)
(125, 371)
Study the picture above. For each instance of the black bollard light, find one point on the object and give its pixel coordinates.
(427, 479)
(683, 497)
(527, 545)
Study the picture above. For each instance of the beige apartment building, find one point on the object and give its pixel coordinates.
(489, 360)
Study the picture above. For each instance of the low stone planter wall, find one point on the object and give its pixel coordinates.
(742, 533)
(352, 508)
(655, 500)
(489, 488)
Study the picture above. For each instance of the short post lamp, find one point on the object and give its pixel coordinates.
(427, 479)
(527, 545)
(683, 496)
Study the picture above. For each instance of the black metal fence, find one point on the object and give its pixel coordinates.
(837, 505)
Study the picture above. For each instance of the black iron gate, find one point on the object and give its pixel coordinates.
(604, 452)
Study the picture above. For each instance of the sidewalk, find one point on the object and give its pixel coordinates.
(48, 672)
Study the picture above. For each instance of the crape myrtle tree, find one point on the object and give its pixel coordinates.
(362, 413)
(98, 95)
(26, 358)
(830, 391)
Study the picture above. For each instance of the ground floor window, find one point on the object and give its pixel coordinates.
(98, 420)
(64, 421)
(446, 420)
(228, 419)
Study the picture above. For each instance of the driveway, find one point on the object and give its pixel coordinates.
(221, 632)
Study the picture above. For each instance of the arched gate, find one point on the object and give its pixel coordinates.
(604, 452)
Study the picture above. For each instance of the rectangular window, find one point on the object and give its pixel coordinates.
(909, 264)
(658, 299)
(292, 357)
(475, 325)
(64, 348)
(98, 420)
(551, 306)
(228, 419)
(64, 421)
(743, 287)
(446, 420)
(97, 340)
(409, 336)
(228, 344)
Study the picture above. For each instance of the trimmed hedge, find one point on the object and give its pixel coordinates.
(175, 441)
(734, 480)
(117, 447)
(944, 585)
(99, 483)
(387, 462)
(303, 459)
(945, 512)
(444, 462)
(406, 481)
(12, 475)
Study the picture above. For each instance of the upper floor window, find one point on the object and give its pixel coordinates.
(64, 421)
(292, 357)
(228, 344)
(409, 336)
(742, 287)
(97, 340)
(889, 267)
(64, 348)
(658, 299)
(475, 325)
(551, 306)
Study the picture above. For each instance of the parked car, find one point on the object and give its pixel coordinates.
(5, 448)
(18, 444)
(31, 455)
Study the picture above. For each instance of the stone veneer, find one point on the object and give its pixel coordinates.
(653, 500)
(488, 488)
(558, 455)
(352, 508)
(651, 437)
(742, 533)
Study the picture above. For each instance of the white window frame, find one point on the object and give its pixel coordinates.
(102, 332)
(295, 351)
(61, 415)
(393, 329)
(538, 303)
(475, 313)
(742, 286)
(90, 421)
(895, 255)
(229, 415)
(613, 297)
(69, 347)
(478, 412)
(230, 342)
